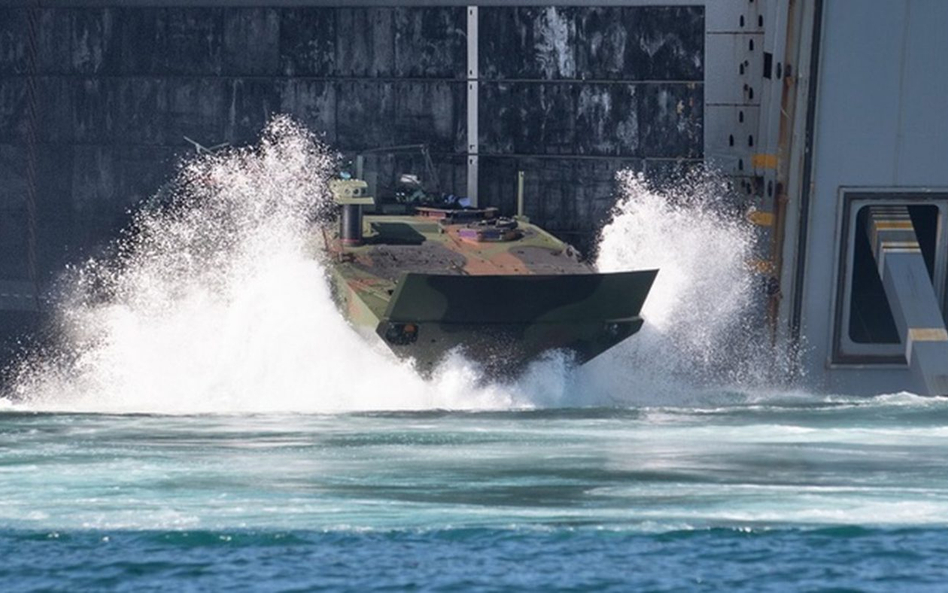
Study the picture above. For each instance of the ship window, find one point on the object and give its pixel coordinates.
(870, 317)
(865, 327)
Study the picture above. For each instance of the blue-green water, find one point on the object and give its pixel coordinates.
(796, 493)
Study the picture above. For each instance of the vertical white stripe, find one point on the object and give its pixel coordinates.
(472, 75)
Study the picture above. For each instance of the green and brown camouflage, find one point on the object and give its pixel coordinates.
(502, 291)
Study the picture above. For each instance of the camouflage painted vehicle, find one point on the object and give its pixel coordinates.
(427, 280)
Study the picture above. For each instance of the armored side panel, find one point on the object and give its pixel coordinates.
(507, 321)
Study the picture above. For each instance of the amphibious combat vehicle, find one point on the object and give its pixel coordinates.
(430, 278)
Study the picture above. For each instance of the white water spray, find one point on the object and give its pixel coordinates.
(703, 326)
(215, 303)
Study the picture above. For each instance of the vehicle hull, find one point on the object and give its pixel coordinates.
(504, 322)
(428, 287)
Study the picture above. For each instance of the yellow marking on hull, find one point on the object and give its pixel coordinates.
(761, 218)
(764, 161)
(761, 266)
(894, 225)
(900, 246)
(928, 334)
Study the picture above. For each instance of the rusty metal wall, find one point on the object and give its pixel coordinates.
(569, 94)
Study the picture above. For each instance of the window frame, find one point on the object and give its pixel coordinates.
(844, 351)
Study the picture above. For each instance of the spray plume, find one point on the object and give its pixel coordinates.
(704, 326)
(216, 300)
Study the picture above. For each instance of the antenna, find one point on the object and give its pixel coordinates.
(432, 182)
(201, 149)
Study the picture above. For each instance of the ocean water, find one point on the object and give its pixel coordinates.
(798, 494)
(202, 418)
